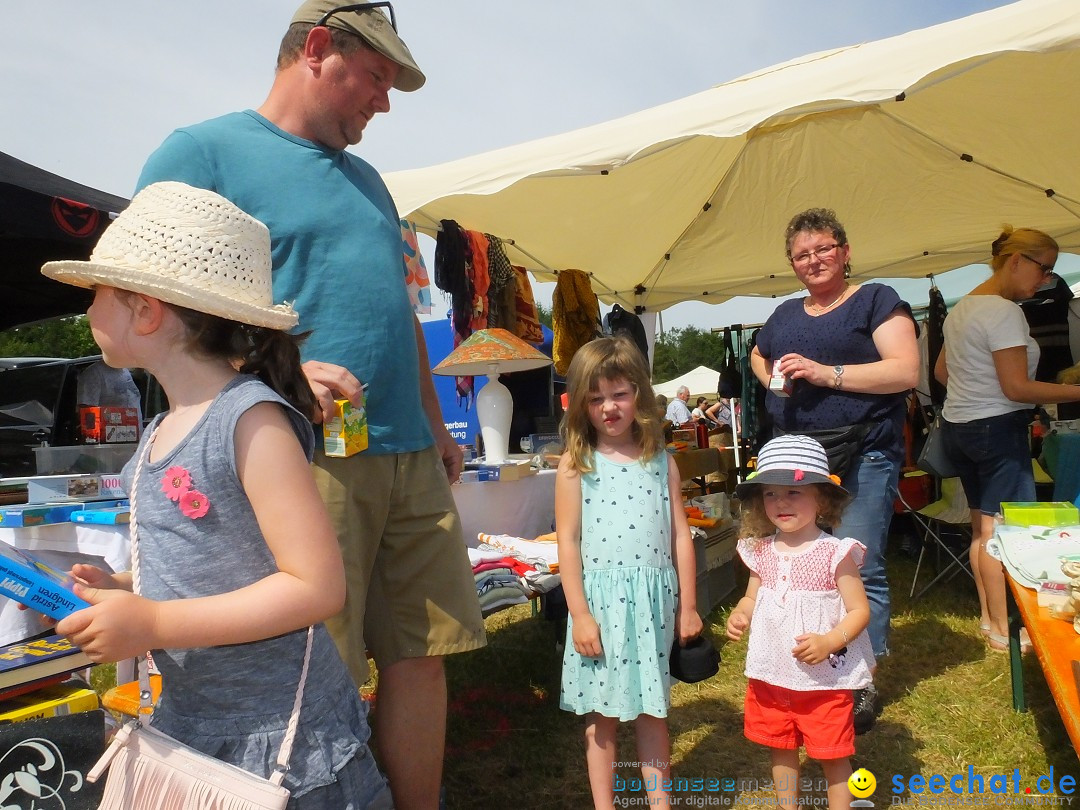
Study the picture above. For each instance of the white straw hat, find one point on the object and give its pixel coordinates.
(185, 246)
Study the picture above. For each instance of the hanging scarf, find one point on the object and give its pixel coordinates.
(575, 316)
(416, 274)
(481, 281)
(528, 320)
(502, 279)
(453, 276)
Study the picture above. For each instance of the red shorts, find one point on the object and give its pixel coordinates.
(783, 718)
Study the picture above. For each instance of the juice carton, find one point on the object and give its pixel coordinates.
(346, 434)
(779, 383)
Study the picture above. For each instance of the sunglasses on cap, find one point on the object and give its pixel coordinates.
(359, 7)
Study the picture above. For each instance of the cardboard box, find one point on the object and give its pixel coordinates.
(513, 470)
(346, 434)
(107, 424)
(64, 488)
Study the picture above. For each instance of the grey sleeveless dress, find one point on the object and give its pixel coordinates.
(233, 702)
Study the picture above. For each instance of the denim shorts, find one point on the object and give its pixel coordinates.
(992, 458)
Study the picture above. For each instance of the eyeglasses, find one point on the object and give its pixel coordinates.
(359, 7)
(820, 252)
(1047, 269)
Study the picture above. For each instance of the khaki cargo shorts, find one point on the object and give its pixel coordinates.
(410, 587)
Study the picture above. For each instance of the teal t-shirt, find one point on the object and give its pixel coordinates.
(337, 254)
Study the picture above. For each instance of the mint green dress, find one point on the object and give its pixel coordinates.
(631, 589)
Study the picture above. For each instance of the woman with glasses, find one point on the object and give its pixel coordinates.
(850, 354)
(988, 366)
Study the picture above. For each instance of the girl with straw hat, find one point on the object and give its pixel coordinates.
(234, 556)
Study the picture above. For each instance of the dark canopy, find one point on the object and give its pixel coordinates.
(44, 217)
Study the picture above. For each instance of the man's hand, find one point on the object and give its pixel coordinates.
(329, 382)
(450, 453)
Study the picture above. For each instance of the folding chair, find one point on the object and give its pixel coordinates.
(949, 515)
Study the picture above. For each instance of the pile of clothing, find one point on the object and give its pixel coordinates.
(512, 570)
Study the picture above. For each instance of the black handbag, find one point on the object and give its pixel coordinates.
(729, 384)
(841, 444)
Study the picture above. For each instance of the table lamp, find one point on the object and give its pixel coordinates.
(491, 352)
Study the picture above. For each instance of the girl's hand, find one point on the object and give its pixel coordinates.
(117, 625)
(95, 577)
(688, 626)
(587, 637)
(812, 648)
(737, 623)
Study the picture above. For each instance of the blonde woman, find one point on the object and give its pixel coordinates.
(988, 366)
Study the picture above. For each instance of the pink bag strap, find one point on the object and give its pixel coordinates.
(145, 693)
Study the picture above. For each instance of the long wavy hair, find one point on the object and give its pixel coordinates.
(272, 355)
(754, 524)
(609, 358)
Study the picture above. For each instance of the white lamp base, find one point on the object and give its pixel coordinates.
(494, 410)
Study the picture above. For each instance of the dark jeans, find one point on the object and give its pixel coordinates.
(992, 458)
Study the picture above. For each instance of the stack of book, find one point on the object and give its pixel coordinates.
(36, 679)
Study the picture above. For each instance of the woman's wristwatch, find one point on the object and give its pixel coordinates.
(838, 377)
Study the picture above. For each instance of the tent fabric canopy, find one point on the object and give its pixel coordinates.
(924, 144)
(45, 217)
(701, 382)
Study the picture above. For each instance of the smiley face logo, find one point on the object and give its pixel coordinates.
(862, 783)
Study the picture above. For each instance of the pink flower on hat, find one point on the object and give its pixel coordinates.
(799, 474)
(194, 504)
(175, 482)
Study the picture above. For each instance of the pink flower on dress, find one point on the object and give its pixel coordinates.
(194, 504)
(175, 483)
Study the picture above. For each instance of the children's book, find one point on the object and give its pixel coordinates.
(36, 514)
(51, 701)
(26, 579)
(116, 514)
(37, 659)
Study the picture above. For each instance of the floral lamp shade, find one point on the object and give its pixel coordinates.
(491, 351)
(487, 348)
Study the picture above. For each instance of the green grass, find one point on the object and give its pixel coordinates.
(947, 705)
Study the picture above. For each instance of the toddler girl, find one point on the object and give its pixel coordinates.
(807, 613)
(237, 556)
(627, 563)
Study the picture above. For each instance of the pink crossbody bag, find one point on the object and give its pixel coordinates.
(147, 768)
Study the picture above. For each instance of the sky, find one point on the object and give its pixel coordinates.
(89, 89)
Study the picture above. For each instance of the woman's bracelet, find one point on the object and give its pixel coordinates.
(843, 634)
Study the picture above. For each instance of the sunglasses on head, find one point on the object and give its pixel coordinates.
(359, 7)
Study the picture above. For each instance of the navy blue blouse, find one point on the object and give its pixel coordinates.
(843, 336)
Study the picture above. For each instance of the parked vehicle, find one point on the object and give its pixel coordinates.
(38, 405)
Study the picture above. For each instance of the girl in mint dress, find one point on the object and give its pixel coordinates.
(627, 562)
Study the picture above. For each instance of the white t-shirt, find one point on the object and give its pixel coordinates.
(976, 327)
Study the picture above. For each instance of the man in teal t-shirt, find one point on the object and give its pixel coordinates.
(338, 258)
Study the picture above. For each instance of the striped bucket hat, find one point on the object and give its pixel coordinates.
(790, 461)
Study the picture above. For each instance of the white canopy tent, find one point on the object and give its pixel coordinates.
(701, 382)
(924, 144)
